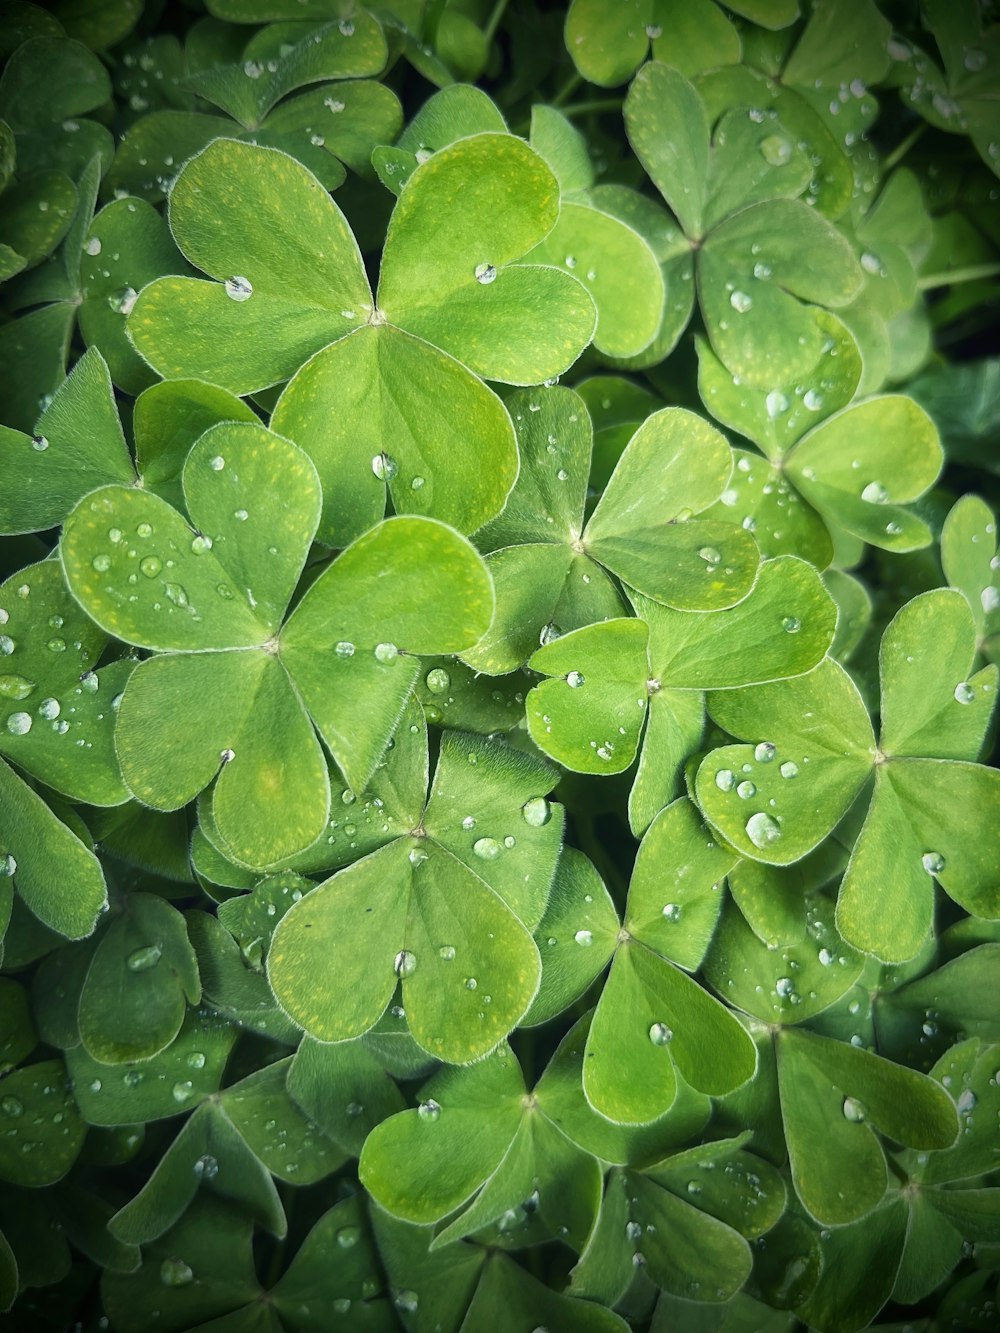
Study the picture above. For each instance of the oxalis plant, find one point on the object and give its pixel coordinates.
(499, 623)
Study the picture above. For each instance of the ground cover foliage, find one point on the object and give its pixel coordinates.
(499, 617)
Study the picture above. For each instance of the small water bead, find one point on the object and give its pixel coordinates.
(39, 443)
(10, 1106)
(764, 752)
(710, 555)
(386, 653)
(141, 960)
(536, 812)
(932, 862)
(176, 594)
(746, 790)
(789, 769)
(176, 1273)
(775, 150)
(132, 1078)
(429, 1110)
(812, 400)
(144, 530)
(791, 624)
(346, 28)
(6, 645)
(672, 912)
(776, 404)
(407, 1301)
(584, 938)
(485, 273)
(196, 1060)
(200, 544)
(182, 1091)
(447, 953)
(405, 963)
(990, 599)
(123, 303)
(19, 724)
(854, 1110)
(825, 957)
(49, 709)
(344, 648)
(385, 467)
(15, 687)
(575, 679)
(784, 987)
(654, 32)
(741, 302)
(468, 823)
(206, 1167)
(101, 563)
(92, 245)
(470, 983)
(762, 271)
(966, 1102)
(762, 830)
(964, 693)
(227, 755)
(239, 288)
(150, 565)
(487, 849)
(725, 779)
(8, 865)
(417, 483)
(875, 493)
(438, 681)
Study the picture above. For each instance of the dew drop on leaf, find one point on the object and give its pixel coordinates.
(150, 565)
(239, 288)
(39, 443)
(536, 812)
(15, 687)
(964, 693)
(344, 648)
(405, 963)
(789, 769)
(584, 938)
(660, 1034)
(49, 709)
(429, 1110)
(11, 1107)
(875, 493)
(791, 624)
(672, 912)
(447, 953)
(487, 849)
(764, 752)
(437, 680)
(853, 1110)
(710, 555)
(8, 865)
(385, 467)
(386, 652)
(762, 830)
(725, 779)
(19, 724)
(741, 302)
(745, 790)
(101, 563)
(176, 1273)
(812, 400)
(575, 679)
(206, 1167)
(217, 463)
(141, 960)
(932, 862)
(485, 273)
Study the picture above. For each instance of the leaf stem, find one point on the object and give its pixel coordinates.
(894, 158)
(957, 275)
(568, 89)
(493, 22)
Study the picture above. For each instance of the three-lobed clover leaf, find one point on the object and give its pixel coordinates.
(446, 909)
(232, 692)
(450, 303)
(811, 750)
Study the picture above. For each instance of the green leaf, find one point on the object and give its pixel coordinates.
(758, 327)
(48, 79)
(33, 352)
(668, 128)
(580, 914)
(651, 1019)
(455, 219)
(410, 586)
(383, 385)
(563, 147)
(674, 729)
(171, 1083)
(968, 544)
(590, 720)
(870, 1250)
(56, 876)
(674, 466)
(251, 213)
(747, 643)
(141, 978)
(813, 749)
(345, 1291)
(901, 442)
(423, 1164)
(35, 214)
(681, 863)
(43, 1131)
(749, 1196)
(78, 446)
(849, 43)
(344, 1088)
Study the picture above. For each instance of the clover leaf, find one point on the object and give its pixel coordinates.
(765, 802)
(203, 598)
(447, 907)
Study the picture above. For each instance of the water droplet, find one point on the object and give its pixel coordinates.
(853, 1110)
(672, 912)
(468, 823)
(932, 862)
(964, 693)
(101, 563)
(536, 811)
(710, 555)
(487, 849)
(346, 28)
(762, 830)
(141, 960)
(875, 493)
(966, 1101)
(57, 645)
(653, 31)
(132, 1078)
(144, 530)
(776, 403)
(15, 687)
(575, 679)
(447, 953)
(405, 963)
(775, 150)
(584, 938)
(195, 1060)
(227, 755)
(789, 769)
(182, 1091)
(812, 400)
(19, 724)
(764, 752)
(416, 483)
(344, 648)
(485, 273)
(150, 566)
(8, 865)
(385, 467)
(470, 983)
(49, 709)
(407, 1301)
(974, 60)
(10, 1106)
(217, 463)
(725, 779)
(176, 1273)
(990, 599)
(206, 1166)
(176, 594)
(429, 1110)
(386, 653)
(93, 245)
(825, 957)
(200, 544)
(123, 302)
(437, 680)
(741, 302)
(39, 443)
(745, 790)
(348, 1237)
(791, 624)
(239, 288)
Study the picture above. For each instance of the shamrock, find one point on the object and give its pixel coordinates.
(811, 754)
(248, 686)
